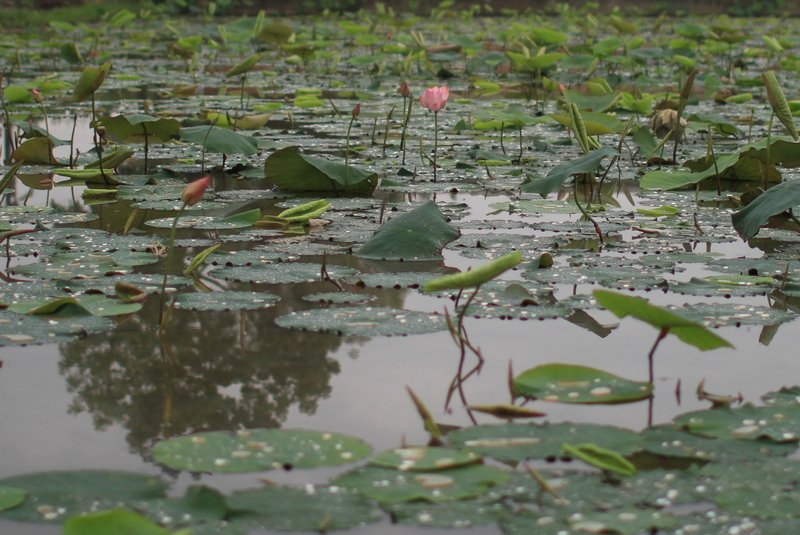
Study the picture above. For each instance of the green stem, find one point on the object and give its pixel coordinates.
(435, 140)
(168, 261)
(765, 173)
(347, 147)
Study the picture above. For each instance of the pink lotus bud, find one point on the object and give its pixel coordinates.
(404, 90)
(37, 96)
(356, 110)
(194, 191)
(434, 98)
(561, 89)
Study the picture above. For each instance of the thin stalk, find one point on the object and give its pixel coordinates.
(146, 146)
(661, 335)
(764, 174)
(405, 127)
(519, 158)
(502, 130)
(386, 130)
(586, 214)
(347, 147)
(168, 262)
(435, 140)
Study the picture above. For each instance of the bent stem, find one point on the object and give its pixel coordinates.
(168, 264)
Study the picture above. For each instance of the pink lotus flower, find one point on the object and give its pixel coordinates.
(194, 191)
(434, 98)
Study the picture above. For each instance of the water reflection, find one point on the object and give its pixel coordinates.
(210, 370)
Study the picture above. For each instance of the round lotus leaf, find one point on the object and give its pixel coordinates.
(21, 329)
(10, 497)
(199, 222)
(785, 397)
(55, 496)
(23, 215)
(456, 514)
(258, 449)
(762, 489)
(494, 245)
(627, 521)
(512, 300)
(96, 305)
(66, 218)
(566, 383)
(73, 265)
(225, 300)
(282, 273)
(149, 193)
(725, 286)
(763, 267)
(417, 458)
(668, 441)
(518, 442)
(724, 314)
(339, 298)
(312, 509)
(388, 486)
(112, 521)
(403, 279)
(244, 258)
(169, 205)
(199, 504)
(775, 423)
(294, 249)
(363, 321)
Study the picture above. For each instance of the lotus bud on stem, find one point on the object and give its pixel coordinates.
(190, 195)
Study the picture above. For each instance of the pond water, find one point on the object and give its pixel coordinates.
(104, 393)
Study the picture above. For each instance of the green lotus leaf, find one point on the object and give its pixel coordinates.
(255, 450)
(291, 170)
(565, 383)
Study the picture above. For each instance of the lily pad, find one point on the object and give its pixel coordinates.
(55, 496)
(225, 300)
(119, 521)
(567, 383)
(389, 486)
(339, 298)
(20, 329)
(419, 459)
(255, 450)
(776, 423)
(519, 442)
(317, 509)
(363, 321)
(281, 273)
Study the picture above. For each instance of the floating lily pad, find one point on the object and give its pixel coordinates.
(363, 321)
(518, 442)
(282, 273)
(389, 486)
(19, 329)
(312, 509)
(258, 449)
(721, 314)
(725, 286)
(785, 397)
(339, 298)
(566, 383)
(420, 459)
(55, 496)
(225, 300)
(96, 305)
(776, 423)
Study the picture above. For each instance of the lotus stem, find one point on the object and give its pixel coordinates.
(168, 261)
(435, 140)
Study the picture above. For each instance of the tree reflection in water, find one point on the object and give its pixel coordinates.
(217, 370)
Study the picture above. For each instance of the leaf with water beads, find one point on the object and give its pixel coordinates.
(54, 496)
(120, 521)
(566, 383)
(776, 423)
(225, 300)
(422, 459)
(389, 486)
(258, 449)
(363, 321)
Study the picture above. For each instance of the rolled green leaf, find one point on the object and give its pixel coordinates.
(779, 103)
(474, 277)
(601, 458)
(306, 211)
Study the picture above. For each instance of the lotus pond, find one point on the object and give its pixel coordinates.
(559, 297)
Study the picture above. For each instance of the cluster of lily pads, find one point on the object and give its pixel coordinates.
(366, 205)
